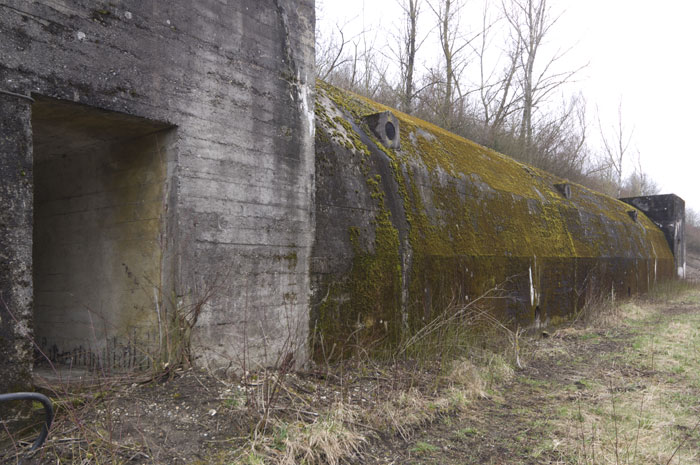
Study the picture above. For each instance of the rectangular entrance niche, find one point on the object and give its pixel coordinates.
(98, 234)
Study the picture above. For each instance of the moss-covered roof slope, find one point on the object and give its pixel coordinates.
(500, 206)
(401, 231)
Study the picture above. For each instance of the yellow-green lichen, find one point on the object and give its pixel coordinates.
(363, 310)
(476, 218)
(503, 210)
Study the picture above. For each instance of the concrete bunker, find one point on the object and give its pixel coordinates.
(404, 231)
(233, 200)
(98, 253)
(668, 213)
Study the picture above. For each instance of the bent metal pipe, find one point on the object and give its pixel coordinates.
(48, 409)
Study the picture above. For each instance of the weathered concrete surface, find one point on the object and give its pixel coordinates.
(400, 234)
(668, 213)
(15, 244)
(236, 79)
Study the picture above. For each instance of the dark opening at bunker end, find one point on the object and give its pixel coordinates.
(99, 192)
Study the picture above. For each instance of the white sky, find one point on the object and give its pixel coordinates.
(641, 52)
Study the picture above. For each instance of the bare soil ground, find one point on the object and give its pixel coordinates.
(618, 386)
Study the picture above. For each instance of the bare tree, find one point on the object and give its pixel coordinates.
(329, 52)
(349, 62)
(352, 63)
(639, 182)
(500, 104)
(496, 89)
(406, 54)
(560, 141)
(530, 23)
(372, 69)
(692, 217)
(452, 45)
(616, 146)
(692, 237)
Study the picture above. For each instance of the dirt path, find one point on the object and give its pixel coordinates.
(637, 376)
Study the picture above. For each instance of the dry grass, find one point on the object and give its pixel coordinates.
(625, 376)
(328, 440)
(404, 412)
(600, 310)
(619, 386)
(467, 377)
(344, 429)
(314, 421)
(641, 403)
(460, 356)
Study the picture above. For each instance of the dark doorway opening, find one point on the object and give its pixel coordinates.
(99, 190)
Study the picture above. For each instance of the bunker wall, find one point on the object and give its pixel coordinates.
(404, 233)
(668, 213)
(235, 81)
(15, 244)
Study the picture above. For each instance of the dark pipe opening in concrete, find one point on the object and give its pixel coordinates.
(564, 189)
(390, 130)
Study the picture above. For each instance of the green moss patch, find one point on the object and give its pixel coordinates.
(470, 219)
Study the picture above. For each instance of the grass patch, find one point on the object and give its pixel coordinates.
(423, 448)
(465, 433)
(639, 402)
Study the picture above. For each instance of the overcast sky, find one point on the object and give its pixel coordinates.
(643, 53)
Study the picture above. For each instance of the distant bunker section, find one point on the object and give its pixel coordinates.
(429, 220)
(668, 213)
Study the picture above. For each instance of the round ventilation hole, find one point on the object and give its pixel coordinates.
(390, 130)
